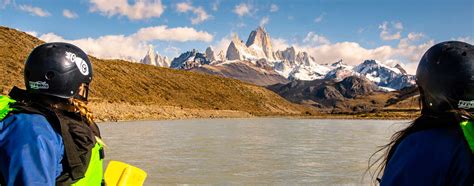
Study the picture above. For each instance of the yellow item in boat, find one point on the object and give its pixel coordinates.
(122, 174)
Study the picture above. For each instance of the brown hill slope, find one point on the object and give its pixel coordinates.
(124, 90)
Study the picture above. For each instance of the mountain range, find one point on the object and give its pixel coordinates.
(255, 61)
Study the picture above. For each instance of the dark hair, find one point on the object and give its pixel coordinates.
(427, 120)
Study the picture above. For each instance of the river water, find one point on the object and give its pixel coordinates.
(249, 151)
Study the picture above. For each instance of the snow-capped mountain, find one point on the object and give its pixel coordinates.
(189, 60)
(289, 63)
(155, 59)
(213, 57)
(298, 65)
(259, 41)
(385, 76)
(339, 71)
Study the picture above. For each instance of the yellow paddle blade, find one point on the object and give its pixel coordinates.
(122, 174)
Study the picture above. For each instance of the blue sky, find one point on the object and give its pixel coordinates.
(389, 31)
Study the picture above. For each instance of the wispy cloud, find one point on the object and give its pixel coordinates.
(142, 9)
(215, 5)
(69, 14)
(199, 12)
(243, 9)
(315, 39)
(319, 18)
(390, 31)
(36, 11)
(274, 8)
(264, 21)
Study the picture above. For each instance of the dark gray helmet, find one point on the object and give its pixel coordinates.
(58, 69)
(445, 77)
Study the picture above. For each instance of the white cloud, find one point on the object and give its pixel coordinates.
(201, 15)
(319, 18)
(264, 21)
(315, 39)
(387, 30)
(279, 44)
(174, 51)
(142, 9)
(199, 12)
(34, 10)
(132, 47)
(273, 8)
(32, 33)
(407, 52)
(291, 18)
(222, 44)
(69, 14)
(243, 9)
(184, 7)
(180, 34)
(215, 5)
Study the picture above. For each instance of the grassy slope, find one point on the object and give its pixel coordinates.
(121, 82)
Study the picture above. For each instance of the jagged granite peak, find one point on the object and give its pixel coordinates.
(210, 54)
(234, 51)
(162, 61)
(259, 41)
(189, 59)
(338, 63)
(289, 54)
(155, 59)
(237, 50)
(149, 58)
(399, 67)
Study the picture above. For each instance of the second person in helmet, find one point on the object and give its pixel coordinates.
(438, 147)
(48, 136)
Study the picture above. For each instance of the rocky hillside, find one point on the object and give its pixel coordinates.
(354, 94)
(124, 90)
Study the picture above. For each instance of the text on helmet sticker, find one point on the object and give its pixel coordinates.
(80, 63)
(466, 104)
(38, 85)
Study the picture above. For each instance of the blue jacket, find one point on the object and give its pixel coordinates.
(437, 156)
(30, 150)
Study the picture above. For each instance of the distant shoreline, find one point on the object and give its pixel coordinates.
(122, 112)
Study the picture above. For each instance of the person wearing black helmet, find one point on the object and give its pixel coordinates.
(438, 147)
(47, 134)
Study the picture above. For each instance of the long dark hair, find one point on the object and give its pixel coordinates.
(427, 120)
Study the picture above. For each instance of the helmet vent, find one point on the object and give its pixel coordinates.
(49, 75)
(67, 46)
(464, 53)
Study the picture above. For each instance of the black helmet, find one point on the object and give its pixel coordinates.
(58, 69)
(445, 77)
